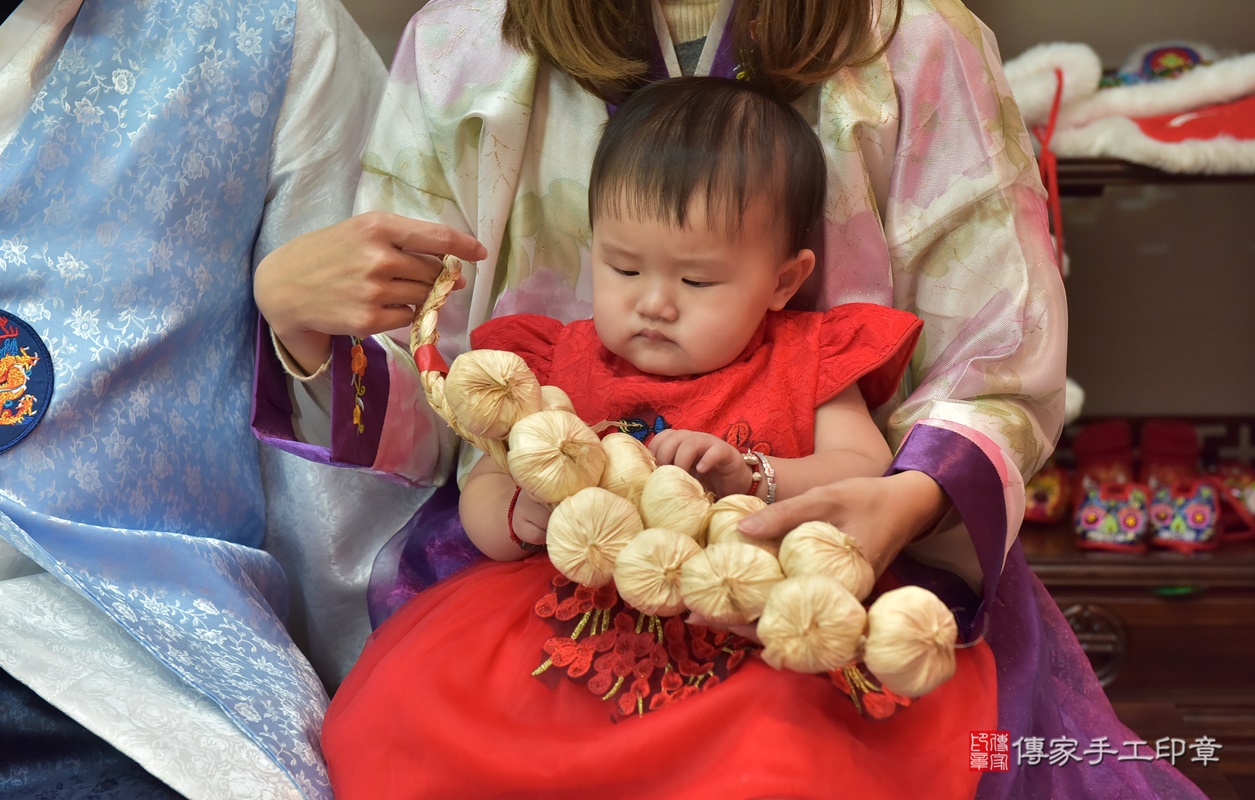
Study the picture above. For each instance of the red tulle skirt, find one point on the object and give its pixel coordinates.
(442, 704)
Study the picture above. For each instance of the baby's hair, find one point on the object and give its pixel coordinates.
(720, 140)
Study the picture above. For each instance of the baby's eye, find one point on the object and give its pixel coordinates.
(698, 284)
(627, 273)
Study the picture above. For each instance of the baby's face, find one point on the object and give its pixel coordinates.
(684, 301)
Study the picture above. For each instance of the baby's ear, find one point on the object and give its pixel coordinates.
(796, 269)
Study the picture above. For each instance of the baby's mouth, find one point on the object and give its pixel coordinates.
(651, 335)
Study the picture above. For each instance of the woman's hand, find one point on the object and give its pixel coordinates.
(883, 514)
(717, 464)
(358, 277)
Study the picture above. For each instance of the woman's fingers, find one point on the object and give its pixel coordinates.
(394, 318)
(783, 516)
(883, 514)
(356, 277)
(344, 279)
(421, 237)
(416, 268)
(841, 503)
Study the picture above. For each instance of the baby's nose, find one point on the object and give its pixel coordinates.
(657, 303)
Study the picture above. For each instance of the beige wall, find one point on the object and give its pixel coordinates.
(1114, 28)
(1162, 290)
(382, 20)
(1162, 299)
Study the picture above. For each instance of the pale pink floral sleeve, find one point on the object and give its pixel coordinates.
(943, 214)
(968, 236)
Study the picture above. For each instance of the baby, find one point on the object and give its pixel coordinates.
(702, 196)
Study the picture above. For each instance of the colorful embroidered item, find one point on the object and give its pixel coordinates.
(358, 371)
(639, 428)
(1157, 63)
(1048, 495)
(1184, 514)
(1236, 482)
(1113, 516)
(25, 380)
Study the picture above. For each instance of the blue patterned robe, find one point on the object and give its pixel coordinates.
(130, 201)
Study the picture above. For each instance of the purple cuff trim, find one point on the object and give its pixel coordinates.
(975, 487)
(724, 64)
(355, 438)
(271, 405)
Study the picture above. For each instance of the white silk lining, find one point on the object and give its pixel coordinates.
(60, 645)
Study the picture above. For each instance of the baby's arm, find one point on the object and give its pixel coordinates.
(485, 512)
(847, 444)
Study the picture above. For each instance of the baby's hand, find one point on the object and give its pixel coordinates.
(530, 519)
(717, 464)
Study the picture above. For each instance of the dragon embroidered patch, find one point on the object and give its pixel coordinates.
(25, 380)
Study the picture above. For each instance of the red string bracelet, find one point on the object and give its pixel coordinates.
(526, 547)
(755, 479)
(760, 471)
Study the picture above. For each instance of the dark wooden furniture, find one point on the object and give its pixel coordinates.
(1171, 636)
(1150, 721)
(1084, 177)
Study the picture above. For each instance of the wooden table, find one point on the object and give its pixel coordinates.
(1171, 636)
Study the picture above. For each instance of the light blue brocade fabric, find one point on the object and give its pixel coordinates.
(130, 200)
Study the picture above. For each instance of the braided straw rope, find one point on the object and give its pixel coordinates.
(423, 332)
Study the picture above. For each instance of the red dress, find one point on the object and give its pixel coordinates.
(765, 399)
(443, 702)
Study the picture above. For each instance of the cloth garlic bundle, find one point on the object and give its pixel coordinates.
(648, 570)
(587, 531)
(910, 641)
(553, 455)
(628, 465)
(811, 623)
(728, 583)
(674, 499)
(490, 390)
(554, 397)
(817, 548)
(727, 512)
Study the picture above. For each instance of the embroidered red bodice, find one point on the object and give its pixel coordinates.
(765, 399)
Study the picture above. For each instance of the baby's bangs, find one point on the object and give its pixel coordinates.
(719, 143)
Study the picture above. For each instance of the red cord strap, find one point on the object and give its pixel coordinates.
(1050, 168)
(526, 547)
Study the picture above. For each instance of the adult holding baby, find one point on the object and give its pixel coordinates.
(934, 206)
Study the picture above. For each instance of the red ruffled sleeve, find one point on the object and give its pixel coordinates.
(867, 343)
(531, 336)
